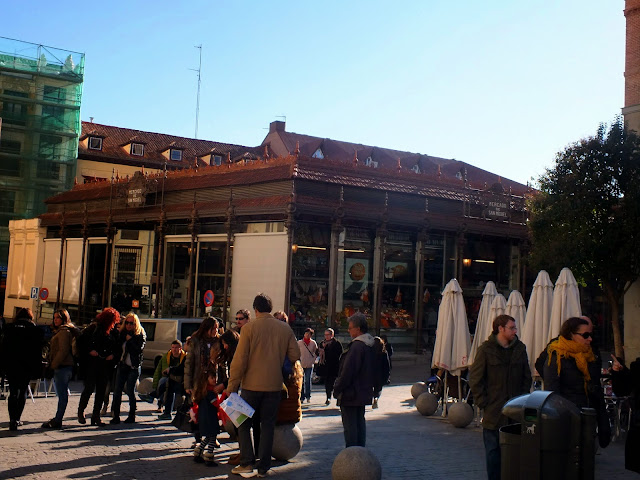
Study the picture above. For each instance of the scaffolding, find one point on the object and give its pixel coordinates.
(40, 96)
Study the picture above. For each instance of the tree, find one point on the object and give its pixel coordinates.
(586, 214)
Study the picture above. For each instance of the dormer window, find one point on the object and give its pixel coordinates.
(416, 168)
(175, 155)
(370, 163)
(318, 154)
(137, 149)
(216, 160)
(95, 143)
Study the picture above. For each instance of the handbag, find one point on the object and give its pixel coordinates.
(182, 420)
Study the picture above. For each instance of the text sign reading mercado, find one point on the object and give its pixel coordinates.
(135, 197)
(497, 208)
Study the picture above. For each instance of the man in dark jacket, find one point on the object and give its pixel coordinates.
(330, 352)
(499, 372)
(22, 357)
(354, 386)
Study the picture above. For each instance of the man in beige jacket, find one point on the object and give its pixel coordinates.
(257, 368)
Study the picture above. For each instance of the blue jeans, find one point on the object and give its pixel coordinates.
(61, 378)
(355, 429)
(129, 376)
(266, 405)
(492, 450)
(306, 385)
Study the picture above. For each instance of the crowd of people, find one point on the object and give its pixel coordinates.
(260, 358)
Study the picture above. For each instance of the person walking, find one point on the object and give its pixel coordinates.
(257, 367)
(200, 381)
(354, 386)
(626, 381)
(382, 370)
(308, 355)
(97, 348)
(61, 361)
(22, 359)
(130, 342)
(500, 371)
(330, 351)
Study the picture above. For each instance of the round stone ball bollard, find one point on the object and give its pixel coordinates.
(427, 404)
(287, 442)
(460, 414)
(356, 463)
(145, 387)
(418, 388)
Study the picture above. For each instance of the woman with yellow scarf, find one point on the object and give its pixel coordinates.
(572, 371)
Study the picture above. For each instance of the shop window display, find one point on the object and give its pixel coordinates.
(210, 276)
(176, 276)
(399, 285)
(309, 274)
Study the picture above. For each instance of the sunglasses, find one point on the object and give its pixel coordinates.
(585, 335)
(129, 323)
(239, 318)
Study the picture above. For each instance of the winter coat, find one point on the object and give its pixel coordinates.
(21, 350)
(197, 362)
(382, 372)
(627, 382)
(163, 364)
(332, 354)
(60, 350)
(290, 409)
(354, 385)
(308, 353)
(257, 363)
(132, 347)
(570, 382)
(93, 338)
(497, 375)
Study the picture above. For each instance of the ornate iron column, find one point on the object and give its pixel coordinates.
(193, 229)
(160, 259)
(336, 230)
(63, 237)
(380, 254)
(461, 241)
(289, 223)
(85, 237)
(230, 226)
(423, 238)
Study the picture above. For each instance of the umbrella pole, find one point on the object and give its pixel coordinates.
(445, 395)
(460, 387)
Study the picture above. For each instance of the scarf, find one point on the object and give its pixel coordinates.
(582, 354)
(306, 340)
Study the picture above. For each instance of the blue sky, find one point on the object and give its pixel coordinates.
(503, 85)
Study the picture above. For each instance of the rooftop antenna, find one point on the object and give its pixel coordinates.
(199, 70)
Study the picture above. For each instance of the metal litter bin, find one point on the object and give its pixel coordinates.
(551, 440)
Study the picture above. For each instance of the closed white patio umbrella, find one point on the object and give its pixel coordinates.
(483, 325)
(498, 306)
(566, 302)
(536, 323)
(453, 340)
(517, 309)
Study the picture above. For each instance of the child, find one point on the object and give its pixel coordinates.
(207, 417)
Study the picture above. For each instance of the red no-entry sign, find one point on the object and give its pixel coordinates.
(208, 298)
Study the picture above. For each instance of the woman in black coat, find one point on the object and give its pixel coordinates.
(97, 348)
(129, 344)
(626, 381)
(22, 360)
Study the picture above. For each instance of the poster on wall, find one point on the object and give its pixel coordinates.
(396, 271)
(356, 275)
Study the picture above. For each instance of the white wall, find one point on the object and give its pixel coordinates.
(632, 323)
(72, 267)
(259, 265)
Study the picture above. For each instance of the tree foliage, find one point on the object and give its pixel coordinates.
(586, 214)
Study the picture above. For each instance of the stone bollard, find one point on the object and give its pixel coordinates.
(145, 387)
(287, 442)
(356, 463)
(427, 403)
(460, 414)
(418, 388)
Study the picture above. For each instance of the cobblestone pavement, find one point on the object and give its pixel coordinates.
(408, 445)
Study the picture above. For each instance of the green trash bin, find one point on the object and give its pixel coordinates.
(510, 451)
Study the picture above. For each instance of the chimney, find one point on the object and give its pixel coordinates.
(276, 126)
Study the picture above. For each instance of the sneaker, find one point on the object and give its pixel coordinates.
(328, 402)
(81, 419)
(375, 403)
(207, 455)
(237, 470)
(164, 416)
(197, 452)
(53, 423)
(309, 400)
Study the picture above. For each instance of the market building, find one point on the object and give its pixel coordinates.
(324, 227)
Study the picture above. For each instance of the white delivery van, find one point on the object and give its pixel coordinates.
(161, 332)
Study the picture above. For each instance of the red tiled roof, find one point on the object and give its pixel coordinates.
(155, 144)
(449, 169)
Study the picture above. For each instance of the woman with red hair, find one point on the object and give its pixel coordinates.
(97, 348)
